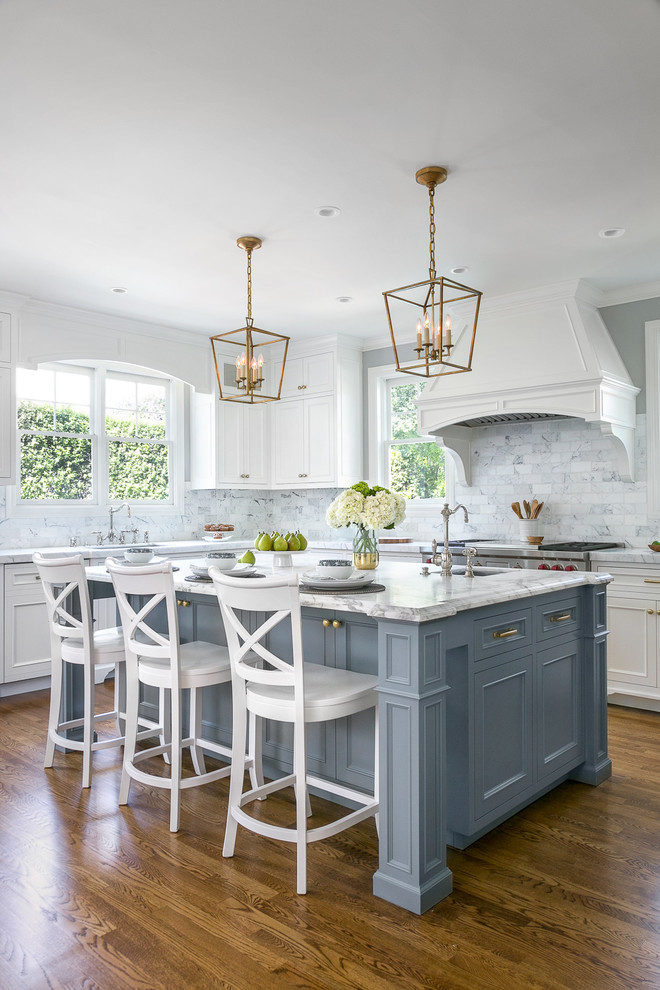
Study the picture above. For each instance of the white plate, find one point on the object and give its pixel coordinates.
(312, 579)
(225, 538)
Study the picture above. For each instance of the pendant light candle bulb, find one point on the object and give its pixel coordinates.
(448, 332)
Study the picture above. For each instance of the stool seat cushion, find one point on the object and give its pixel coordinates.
(326, 690)
(197, 659)
(107, 644)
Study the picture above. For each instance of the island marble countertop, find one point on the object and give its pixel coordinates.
(408, 595)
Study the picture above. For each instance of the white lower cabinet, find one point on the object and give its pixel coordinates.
(26, 637)
(633, 619)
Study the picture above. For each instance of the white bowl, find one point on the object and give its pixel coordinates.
(138, 555)
(341, 569)
(223, 561)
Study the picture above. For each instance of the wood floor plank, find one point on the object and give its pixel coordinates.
(93, 897)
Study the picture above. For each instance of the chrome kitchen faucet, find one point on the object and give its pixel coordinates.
(444, 558)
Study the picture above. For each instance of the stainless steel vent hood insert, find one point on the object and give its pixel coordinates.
(543, 354)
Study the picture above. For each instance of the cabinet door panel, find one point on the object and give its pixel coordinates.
(502, 733)
(255, 445)
(319, 439)
(27, 641)
(7, 426)
(632, 643)
(288, 443)
(558, 712)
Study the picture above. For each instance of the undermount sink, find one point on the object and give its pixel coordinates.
(479, 571)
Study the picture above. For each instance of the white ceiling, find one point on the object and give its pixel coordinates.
(141, 137)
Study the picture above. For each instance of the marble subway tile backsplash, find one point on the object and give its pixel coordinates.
(568, 464)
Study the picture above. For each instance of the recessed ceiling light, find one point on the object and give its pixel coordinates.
(460, 270)
(327, 211)
(344, 299)
(612, 232)
(119, 290)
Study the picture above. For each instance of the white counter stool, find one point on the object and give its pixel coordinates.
(73, 640)
(159, 659)
(296, 692)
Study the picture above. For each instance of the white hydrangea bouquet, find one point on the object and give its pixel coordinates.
(369, 509)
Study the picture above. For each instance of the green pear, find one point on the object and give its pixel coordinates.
(280, 544)
(258, 540)
(247, 558)
(293, 543)
(266, 542)
(302, 541)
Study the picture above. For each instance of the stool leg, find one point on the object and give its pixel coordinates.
(130, 743)
(88, 723)
(302, 804)
(165, 719)
(175, 760)
(376, 767)
(237, 766)
(54, 710)
(255, 751)
(196, 730)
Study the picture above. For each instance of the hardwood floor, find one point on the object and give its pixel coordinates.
(564, 895)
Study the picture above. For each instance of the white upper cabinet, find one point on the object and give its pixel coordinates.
(309, 375)
(7, 404)
(228, 443)
(311, 438)
(317, 436)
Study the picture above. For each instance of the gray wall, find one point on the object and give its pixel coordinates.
(626, 325)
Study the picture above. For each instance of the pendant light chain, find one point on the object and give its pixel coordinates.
(432, 232)
(249, 287)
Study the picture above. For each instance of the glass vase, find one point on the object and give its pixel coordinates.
(365, 549)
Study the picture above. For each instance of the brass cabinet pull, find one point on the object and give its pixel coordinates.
(326, 623)
(181, 601)
(302, 475)
(300, 387)
(336, 624)
(561, 618)
(650, 611)
(503, 635)
(651, 580)
(245, 476)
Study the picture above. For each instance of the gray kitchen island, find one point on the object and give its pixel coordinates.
(492, 691)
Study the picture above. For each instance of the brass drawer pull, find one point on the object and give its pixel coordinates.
(561, 618)
(651, 580)
(503, 635)
(336, 624)
(181, 601)
(650, 611)
(326, 623)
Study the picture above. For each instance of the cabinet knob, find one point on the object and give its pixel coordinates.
(245, 476)
(650, 611)
(336, 624)
(302, 475)
(326, 623)
(300, 387)
(181, 601)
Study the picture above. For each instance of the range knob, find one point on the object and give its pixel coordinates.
(570, 567)
(556, 567)
(543, 567)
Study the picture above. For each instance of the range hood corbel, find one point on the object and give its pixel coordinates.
(544, 354)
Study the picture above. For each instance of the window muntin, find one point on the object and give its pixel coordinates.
(91, 435)
(415, 465)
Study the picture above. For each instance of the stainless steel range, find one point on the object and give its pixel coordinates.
(565, 556)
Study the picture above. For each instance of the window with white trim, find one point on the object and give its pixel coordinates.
(93, 435)
(399, 457)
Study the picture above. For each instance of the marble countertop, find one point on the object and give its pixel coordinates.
(626, 555)
(410, 596)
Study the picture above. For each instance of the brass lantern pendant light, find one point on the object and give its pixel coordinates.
(245, 374)
(442, 323)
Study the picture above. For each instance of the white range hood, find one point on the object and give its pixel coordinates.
(539, 354)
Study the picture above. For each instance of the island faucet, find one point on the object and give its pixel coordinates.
(445, 558)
